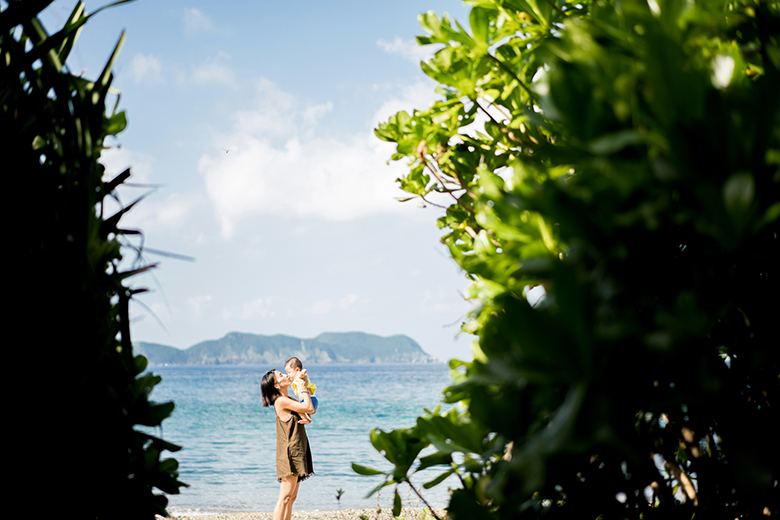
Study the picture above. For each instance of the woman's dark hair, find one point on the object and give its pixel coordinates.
(268, 389)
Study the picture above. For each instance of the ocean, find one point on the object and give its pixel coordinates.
(229, 439)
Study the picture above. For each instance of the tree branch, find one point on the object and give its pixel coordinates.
(556, 8)
(512, 73)
(423, 499)
(432, 203)
(421, 156)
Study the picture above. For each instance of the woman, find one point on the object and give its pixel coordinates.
(293, 456)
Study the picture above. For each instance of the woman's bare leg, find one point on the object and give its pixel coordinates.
(292, 500)
(288, 492)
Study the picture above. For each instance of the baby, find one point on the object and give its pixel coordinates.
(300, 379)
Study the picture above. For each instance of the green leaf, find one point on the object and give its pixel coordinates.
(116, 123)
(396, 504)
(738, 192)
(445, 447)
(365, 470)
(111, 185)
(438, 480)
(105, 76)
(479, 20)
(431, 23)
(140, 363)
(70, 36)
(433, 460)
(771, 216)
(157, 413)
(614, 142)
(379, 487)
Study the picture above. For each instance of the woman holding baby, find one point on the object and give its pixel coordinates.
(293, 455)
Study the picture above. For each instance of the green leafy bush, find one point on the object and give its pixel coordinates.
(625, 157)
(79, 392)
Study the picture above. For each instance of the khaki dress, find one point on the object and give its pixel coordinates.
(293, 455)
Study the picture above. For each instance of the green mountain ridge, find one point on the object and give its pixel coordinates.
(241, 348)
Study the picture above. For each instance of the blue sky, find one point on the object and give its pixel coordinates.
(255, 119)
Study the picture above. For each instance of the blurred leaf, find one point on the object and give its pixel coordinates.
(365, 470)
(433, 460)
(438, 480)
(614, 142)
(140, 363)
(623, 158)
(396, 504)
(479, 21)
(738, 192)
(116, 123)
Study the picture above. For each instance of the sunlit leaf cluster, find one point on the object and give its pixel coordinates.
(625, 157)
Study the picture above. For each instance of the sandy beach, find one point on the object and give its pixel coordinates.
(344, 514)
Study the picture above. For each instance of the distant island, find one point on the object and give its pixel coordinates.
(239, 348)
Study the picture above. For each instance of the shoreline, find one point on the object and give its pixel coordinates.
(407, 513)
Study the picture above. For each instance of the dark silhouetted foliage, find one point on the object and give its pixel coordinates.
(79, 392)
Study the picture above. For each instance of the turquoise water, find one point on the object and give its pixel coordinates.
(229, 439)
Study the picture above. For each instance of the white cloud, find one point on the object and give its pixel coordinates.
(214, 71)
(276, 119)
(321, 307)
(162, 211)
(198, 303)
(419, 95)
(146, 70)
(259, 308)
(196, 22)
(326, 306)
(141, 309)
(116, 159)
(441, 302)
(312, 115)
(172, 210)
(408, 49)
(281, 164)
(162, 208)
(348, 301)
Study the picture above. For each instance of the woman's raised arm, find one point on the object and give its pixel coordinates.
(292, 405)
